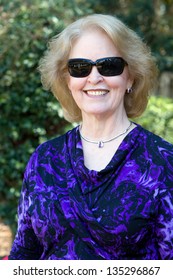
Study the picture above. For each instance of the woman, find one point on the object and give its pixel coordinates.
(104, 189)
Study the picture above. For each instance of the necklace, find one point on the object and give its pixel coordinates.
(101, 143)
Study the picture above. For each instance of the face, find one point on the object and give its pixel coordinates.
(98, 95)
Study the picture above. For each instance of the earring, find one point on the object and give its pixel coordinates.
(129, 90)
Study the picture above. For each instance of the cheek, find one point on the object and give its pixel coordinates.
(118, 83)
(122, 82)
(75, 84)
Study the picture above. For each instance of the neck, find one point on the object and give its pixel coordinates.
(103, 128)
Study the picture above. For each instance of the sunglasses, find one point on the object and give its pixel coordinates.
(107, 66)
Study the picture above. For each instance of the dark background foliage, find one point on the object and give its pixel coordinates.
(28, 114)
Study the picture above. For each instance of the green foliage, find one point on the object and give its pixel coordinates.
(28, 114)
(158, 118)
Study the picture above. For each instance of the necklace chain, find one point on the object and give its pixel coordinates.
(101, 143)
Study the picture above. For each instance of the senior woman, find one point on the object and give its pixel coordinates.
(104, 190)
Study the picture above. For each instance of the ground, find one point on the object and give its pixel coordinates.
(5, 240)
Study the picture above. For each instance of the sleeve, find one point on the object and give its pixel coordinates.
(165, 217)
(26, 246)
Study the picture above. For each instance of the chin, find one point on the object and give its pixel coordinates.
(96, 113)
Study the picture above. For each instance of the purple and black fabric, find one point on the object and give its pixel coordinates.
(125, 212)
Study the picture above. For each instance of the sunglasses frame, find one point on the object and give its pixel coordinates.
(99, 63)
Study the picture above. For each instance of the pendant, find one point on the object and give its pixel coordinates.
(100, 144)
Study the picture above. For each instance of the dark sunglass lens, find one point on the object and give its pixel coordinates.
(79, 68)
(111, 66)
(108, 66)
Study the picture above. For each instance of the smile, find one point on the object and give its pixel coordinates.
(96, 92)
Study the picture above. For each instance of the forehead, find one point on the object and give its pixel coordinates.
(93, 43)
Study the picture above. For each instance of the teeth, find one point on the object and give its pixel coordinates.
(96, 93)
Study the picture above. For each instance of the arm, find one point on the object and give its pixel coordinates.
(165, 218)
(26, 245)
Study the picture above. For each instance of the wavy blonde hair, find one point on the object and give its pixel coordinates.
(141, 64)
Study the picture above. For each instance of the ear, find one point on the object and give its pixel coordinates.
(130, 83)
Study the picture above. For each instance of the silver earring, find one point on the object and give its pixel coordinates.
(129, 90)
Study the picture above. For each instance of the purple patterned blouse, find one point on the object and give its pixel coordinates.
(125, 212)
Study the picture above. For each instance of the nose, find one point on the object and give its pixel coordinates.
(95, 77)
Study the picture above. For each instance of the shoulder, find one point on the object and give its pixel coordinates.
(154, 155)
(154, 141)
(51, 150)
(154, 149)
(56, 144)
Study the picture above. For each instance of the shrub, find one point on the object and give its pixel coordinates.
(158, 118)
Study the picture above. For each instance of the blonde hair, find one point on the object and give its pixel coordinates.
(141, 64)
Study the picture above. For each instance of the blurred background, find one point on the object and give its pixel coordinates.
(29, 115)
